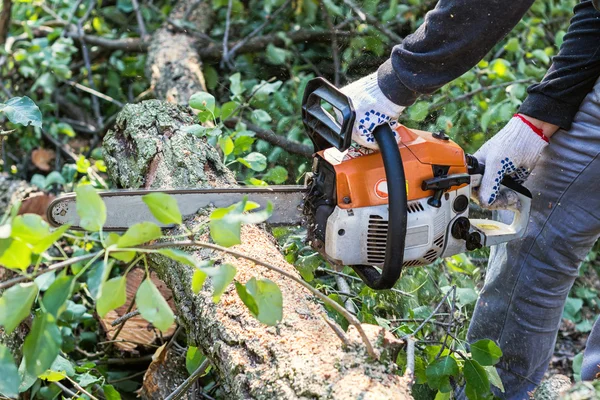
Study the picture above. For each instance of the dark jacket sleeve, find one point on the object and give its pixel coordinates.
(573, 73)
(454, 37)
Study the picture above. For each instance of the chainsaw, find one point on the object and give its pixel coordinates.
(402, 206)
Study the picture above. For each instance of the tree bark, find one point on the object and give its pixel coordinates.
(302, 357)
(5, 20)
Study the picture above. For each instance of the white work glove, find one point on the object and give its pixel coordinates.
(372, 109)
(513, 151)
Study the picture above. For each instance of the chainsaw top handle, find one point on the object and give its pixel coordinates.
(326, 132)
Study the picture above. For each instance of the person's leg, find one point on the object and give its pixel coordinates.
(590, 369)
(528, 280)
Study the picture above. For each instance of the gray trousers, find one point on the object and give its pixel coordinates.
(528, 280)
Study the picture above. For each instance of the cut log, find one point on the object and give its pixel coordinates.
(302, 357)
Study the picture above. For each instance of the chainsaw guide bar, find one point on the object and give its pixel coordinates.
(126, 207)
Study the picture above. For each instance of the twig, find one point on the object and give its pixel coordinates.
(128, 377)
(373, 21)
(134, 45)
(65, 389)
(472, 93)
(54, 267)
(258, 30)
(184, 387)
(125, 317)
(127, 341)
(226, 60)
(140, 19)
(410, 335)
(330, 302)
(288, 145)
(173, 338)
(334, 45)
(336, 329)
(409, 373)
(344, 289)
(82, 390)
(120, 328)
(448, 334)
(95, 93)
(125, 361)
(70, 18)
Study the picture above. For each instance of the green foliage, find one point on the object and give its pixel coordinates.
(22, 111)
(15, 304)
(226, 223)
(163, 207)
(42, 344)
(138, 234)
(90, 208)
(263, 299)
(113, 294)
(9, 375)
(486, 352)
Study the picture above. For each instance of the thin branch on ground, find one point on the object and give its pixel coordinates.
(125, 317)
(409, 373)
(412, 334)
(126, 378)
(335, 53)
(80, 389)
(449, 327)
(120, 328)
(288, 145)
(66, 389)
(95, 93)
(140, 19)
(336, 329)
(365, 17)
(345, 292)
(187, 384)
(125, 361)
(330, 302)
(231, 54)
(330, 271)
(226, 61)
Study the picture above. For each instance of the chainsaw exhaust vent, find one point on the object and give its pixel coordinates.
(431, 255)
(439, 242)
(414, 207)
(412, 263)
(376, 239)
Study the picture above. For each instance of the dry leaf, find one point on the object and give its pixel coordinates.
(42, 158)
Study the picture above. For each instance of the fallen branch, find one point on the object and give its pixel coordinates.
(273, 138)
(183, 388)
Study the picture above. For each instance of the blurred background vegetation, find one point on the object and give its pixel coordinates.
(81, 61)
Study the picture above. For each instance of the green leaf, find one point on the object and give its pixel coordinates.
(179, 256)
(478, 384)
(236, 86)
(63, 365)
(418, 111)
(30, 228)
(486, 352)
(125, 256)
(541, 55)
(46, 242)
(203, 101)
(439, 373)
(512, 45)
(255, 161)
(163, 207)
(153, 307)
(111, 393)
(494, 378)
(246, 298)
(193, 359)
(268, 298)
(276, 55)
(57, 295)
(225, 223)
(226, 145)
(227, 109)
(112, 295)
(221, 277)
(23, 111)
(260, 116)
(139, 233)
(90, 208)
(196, 130)
(277, 175)
(14, 254)
(198, 279)
(42, 345)
(15, 304)
(9, 374)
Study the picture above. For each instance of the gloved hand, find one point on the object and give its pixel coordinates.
(372, 109)
(513, 151)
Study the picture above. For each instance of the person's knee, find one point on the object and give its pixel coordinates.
(590, 368)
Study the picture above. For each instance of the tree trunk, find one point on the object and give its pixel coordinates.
(302, 357)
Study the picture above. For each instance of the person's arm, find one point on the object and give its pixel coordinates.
(454, 37)
(574, 71)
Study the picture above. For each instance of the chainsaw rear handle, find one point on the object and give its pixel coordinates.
(325, 132)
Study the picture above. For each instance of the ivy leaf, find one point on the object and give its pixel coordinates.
(153, 307)
(255, 161)
(486, 352)
(260, 116)
(221, 277)
(203, 101)
(267, 296)
(42, 345)
(439, 373)
(236, 86)
(227, 109)
(139, 233)
(14, 254)
(90, 208)
(113, 294)
(57, 295)
(478, 384)
(9, 374)
(276, 175)
(163, 207)
(23, 111)
(15, 304)
(198, 279)
(193, 359)
(246, 298)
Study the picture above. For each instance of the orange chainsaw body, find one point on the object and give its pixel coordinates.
(361, 182)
